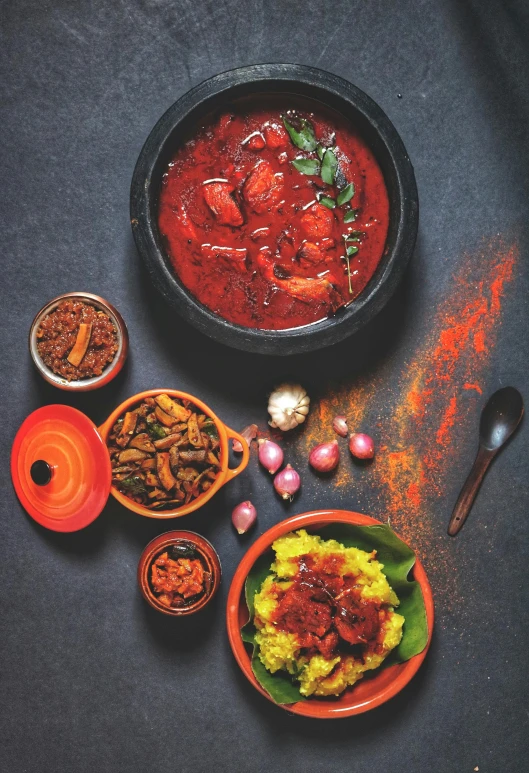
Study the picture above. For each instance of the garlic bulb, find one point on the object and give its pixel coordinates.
(288, 405)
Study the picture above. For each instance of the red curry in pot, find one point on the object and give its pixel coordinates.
(274, 213)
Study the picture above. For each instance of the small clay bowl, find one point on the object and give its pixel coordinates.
(368, 693)
(111, 370)
(208, 556)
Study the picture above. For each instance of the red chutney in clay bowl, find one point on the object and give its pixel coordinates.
(275, 208)
(257, 236)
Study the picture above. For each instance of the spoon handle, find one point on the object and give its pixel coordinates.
(470, 489)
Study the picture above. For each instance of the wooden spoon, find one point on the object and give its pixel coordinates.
(499, 419)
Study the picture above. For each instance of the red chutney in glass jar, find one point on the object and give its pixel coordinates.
(274, 213)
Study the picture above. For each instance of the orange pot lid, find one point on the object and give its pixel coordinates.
(60, 468)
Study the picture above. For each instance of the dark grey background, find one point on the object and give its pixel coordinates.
(91, 679)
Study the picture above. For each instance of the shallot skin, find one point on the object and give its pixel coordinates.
(361, 446)
(325, 457)
(244, 516)
(270, 455)
(248, 433)
(287, 482)
(339, 425)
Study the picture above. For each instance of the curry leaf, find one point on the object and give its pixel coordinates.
(329, 166)
(133, 486)
(398, 560)
(350, 216)
(328, 202)
(304, 139)
(307, 166)
(320, 150)
(346, 195)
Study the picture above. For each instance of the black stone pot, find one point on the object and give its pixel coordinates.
(378, 132)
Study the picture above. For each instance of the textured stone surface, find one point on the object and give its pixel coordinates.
(92, 679)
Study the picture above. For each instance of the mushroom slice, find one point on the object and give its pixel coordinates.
(164, 471)
(172, 408)
(131, 455)
(127, 428)
(187, 474)
(193, 456)
(164, 418)
(184, 440)
(174, 458)
(200, 480)
(143, 442)
(158, 494)
(166, 503)
(212, 459)
(168, 441)
(149, 463)
(195, 438)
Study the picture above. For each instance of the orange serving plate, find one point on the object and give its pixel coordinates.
(366, 694)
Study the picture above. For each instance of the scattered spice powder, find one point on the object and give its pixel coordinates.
(432, 408)
(477, 387)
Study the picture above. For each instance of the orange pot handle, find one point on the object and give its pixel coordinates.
(230, 474)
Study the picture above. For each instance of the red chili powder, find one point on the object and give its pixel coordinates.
(478, 389)
(432, 408)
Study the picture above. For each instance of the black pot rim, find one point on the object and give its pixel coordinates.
(404, 206)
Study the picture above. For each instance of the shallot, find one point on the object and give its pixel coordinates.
(270, 455)
(361, 446)
(325, 457)
(244, 516)
(287, 482)
(339, 425)
(248, 433)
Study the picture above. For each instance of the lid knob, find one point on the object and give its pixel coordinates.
(40, 472)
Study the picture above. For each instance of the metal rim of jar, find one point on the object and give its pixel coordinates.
(109, 373)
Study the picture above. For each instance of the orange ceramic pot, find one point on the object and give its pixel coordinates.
(366, 694)
(60, 465)
(225, 433)
(208, 556)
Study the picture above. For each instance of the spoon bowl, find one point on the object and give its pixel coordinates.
(500, 417)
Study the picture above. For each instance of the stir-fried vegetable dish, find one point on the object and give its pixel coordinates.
(164, 452)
